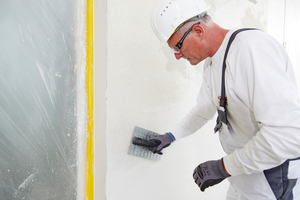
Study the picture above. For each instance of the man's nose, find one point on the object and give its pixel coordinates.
(178, 55)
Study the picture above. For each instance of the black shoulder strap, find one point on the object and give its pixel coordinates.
(222, 115)
(223, 99)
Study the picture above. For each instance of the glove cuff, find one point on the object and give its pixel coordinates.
(172, 136)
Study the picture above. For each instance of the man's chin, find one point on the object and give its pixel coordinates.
(193, 62)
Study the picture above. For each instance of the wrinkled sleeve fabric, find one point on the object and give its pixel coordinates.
(265, 82)
(199, 114)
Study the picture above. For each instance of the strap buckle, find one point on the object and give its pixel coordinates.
(222, 118)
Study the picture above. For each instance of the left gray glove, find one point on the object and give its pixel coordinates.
(209, 173)
(162, 141)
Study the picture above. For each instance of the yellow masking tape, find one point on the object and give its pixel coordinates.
(90, 103)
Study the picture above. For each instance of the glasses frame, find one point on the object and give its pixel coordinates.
(179, 44)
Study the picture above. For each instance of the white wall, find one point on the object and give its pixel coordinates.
(143, 87)
(100, 63)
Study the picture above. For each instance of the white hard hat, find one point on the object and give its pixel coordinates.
(169, 14)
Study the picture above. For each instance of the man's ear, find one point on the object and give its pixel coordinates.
(199, 30)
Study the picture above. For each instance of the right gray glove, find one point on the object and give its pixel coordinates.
(162, 141)
(209, 173)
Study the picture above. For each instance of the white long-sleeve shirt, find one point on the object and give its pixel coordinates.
(263, 103)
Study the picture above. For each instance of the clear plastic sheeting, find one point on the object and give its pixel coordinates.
(39, 100)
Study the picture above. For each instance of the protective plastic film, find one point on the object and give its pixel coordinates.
(39, 100)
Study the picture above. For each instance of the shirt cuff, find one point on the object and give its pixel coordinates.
(233, 164)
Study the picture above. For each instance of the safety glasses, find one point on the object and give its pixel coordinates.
(178, 46)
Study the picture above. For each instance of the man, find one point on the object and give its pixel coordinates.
(261, 129)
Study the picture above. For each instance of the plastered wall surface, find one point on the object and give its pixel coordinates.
(153, 90)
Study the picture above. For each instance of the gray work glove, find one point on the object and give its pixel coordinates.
(162, 141)
(209, 173)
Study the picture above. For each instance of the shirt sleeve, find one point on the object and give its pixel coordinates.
(267, 85)
(199, 114)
